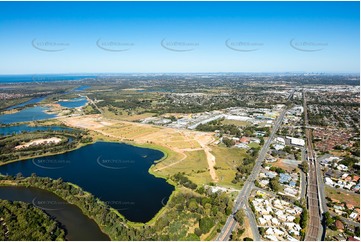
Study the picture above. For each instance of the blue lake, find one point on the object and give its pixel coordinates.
(77, 225)
(41, 78)
(155, 90)
(81, 88)
(31, 101)
(114, 172)
(25, 128)
(78, 89)
(26, 115)
(73, 103)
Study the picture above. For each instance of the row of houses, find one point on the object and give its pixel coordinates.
(278, 216)
(288, 181)
(342, 179)
(342, 209)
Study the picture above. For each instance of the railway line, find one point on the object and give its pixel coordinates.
(314, 227)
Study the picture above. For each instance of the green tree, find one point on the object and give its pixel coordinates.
(262, 141)
(239, 216)
(193, 205)
(304, 166)
(275, 184)
(205, 224)
(247, 239)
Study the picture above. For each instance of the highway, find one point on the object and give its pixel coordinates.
(314, 227)
(92, 102)
(242, 198)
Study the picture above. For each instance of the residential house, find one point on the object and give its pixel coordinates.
(339, 225)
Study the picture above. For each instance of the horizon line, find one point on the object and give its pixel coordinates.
(219, 72)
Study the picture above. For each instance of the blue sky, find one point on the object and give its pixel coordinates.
(100, 37)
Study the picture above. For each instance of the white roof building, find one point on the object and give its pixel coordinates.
(298, 209)
(283, 202)
(349, 185)
(242, 146)
(297, 227)
(282, 218)
(290, 238)
(271, 237)
(278, 147)
(269, 231)
(353, 215)
(238, 118)
(295, 232)
(280, 140)
(277, 204)
(339, 212)
(291, 191)
(289, 225)
(279, 213)
(260, 209)
(296, 141)
(328, 181)
(275, 221)
(262, 221)
(344, 175)
(278, 232)
(342, 167)
(269, 209)
(264, 182)
(267, 203)
(262, 175)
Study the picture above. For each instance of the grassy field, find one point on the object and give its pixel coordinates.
(48, 122)
(247, 227)
(236, 122)
(285, 166)
(334, 235)
(342, 196)
(12, 102)
(227, 160)
(128, 131)
(254, 145)
(184, 149)
(194, 166)
(123, 115)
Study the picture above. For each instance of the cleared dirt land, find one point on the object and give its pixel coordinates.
(187, 151)
(343, 196)
(53, 140)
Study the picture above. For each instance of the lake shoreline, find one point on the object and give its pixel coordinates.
(165, 190)
(12, 183)
(132, 143)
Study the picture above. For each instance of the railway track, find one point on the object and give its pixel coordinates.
(314, 226)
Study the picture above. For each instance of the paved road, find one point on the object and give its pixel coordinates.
(242, 198)
(265, 191)
(252, 222)
(303, 185)
(345, 220)
(92, 102)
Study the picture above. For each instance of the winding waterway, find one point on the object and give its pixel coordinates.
(26, 115)
(16, 129)
(77, 225)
